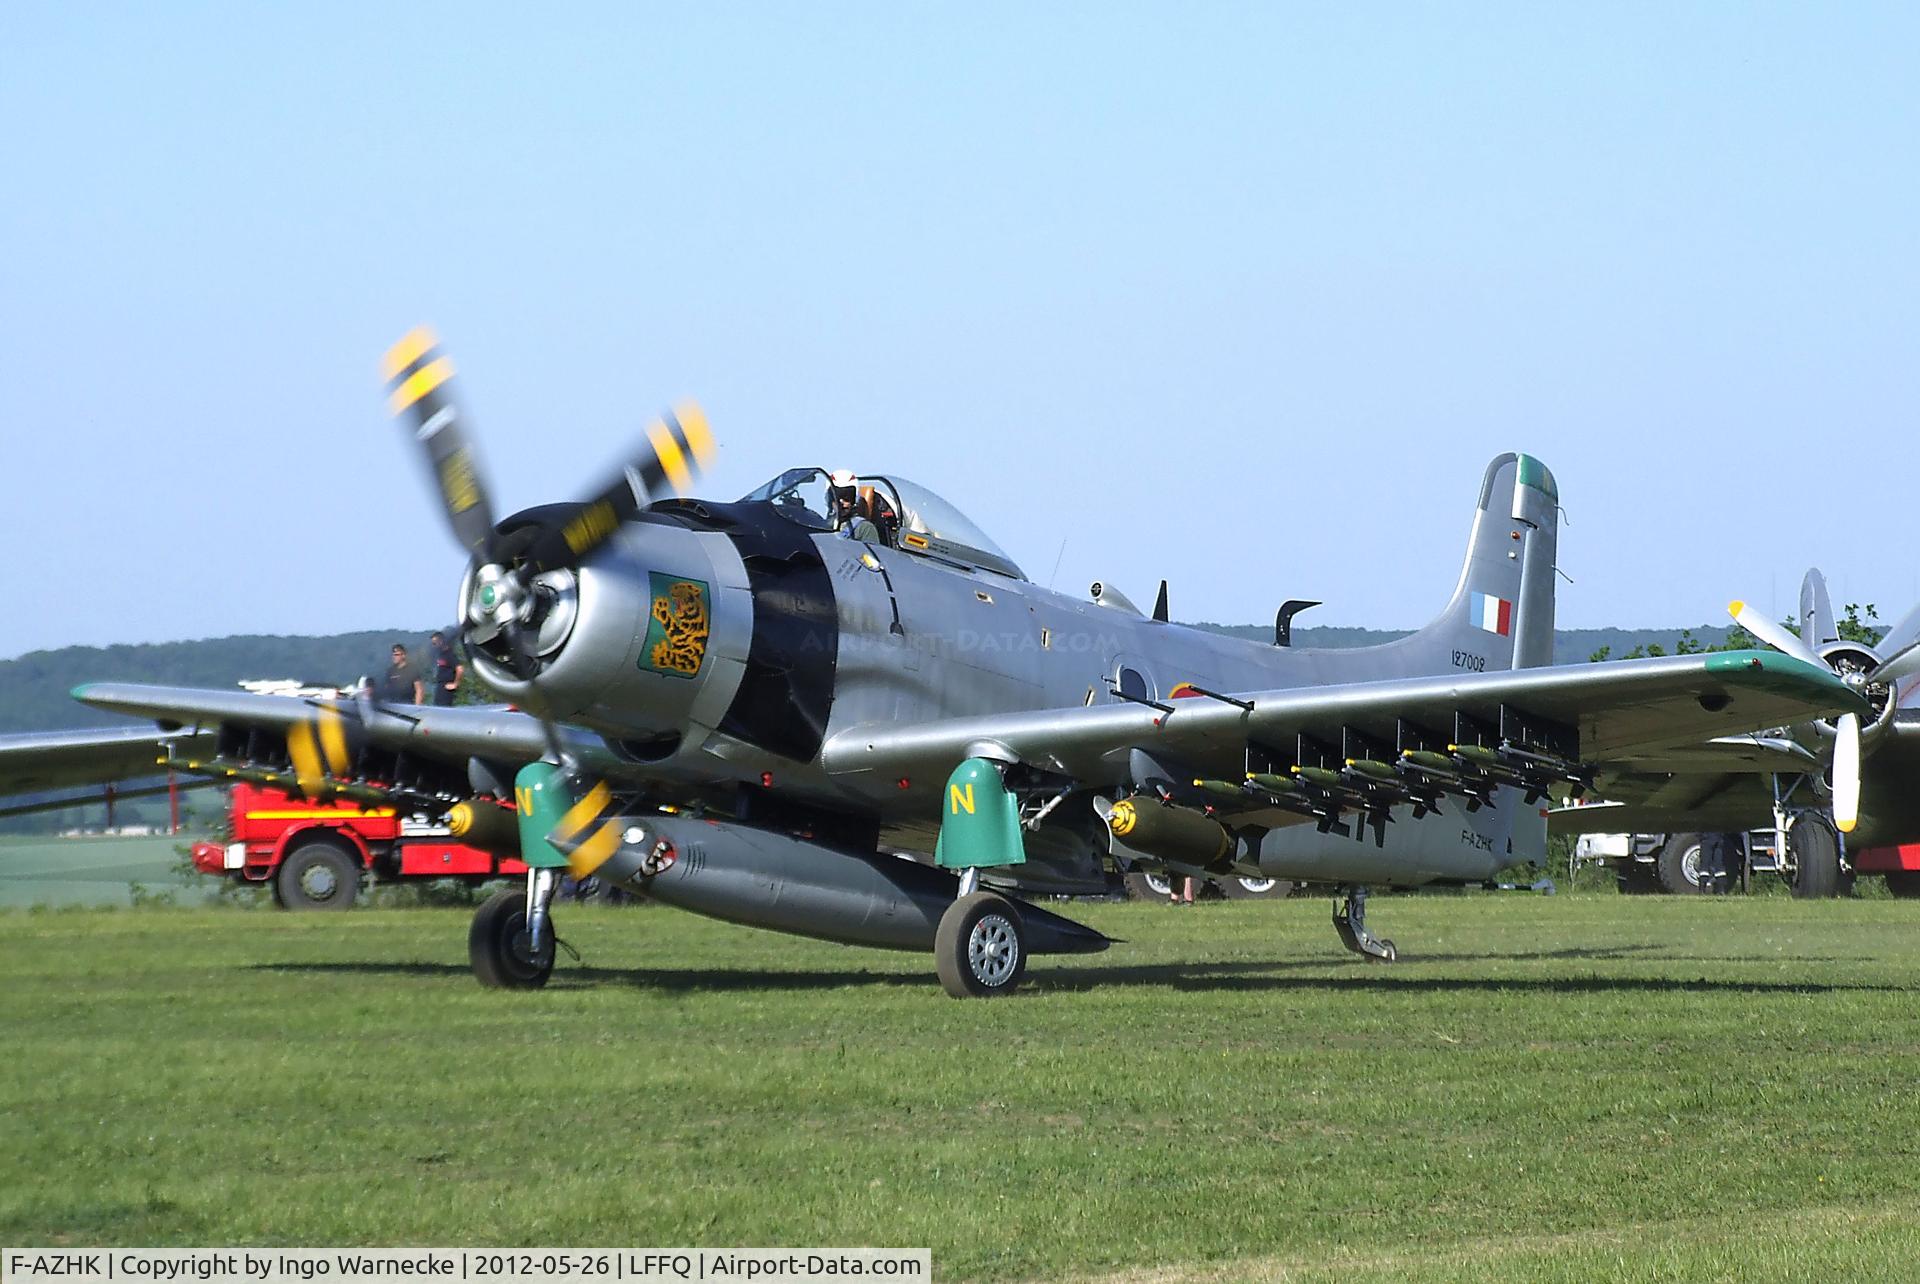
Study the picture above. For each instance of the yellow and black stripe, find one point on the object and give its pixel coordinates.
(589, 833)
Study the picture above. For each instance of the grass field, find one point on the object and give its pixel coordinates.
(1575, 1088)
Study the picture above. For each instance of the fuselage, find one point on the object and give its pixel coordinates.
(725, 645)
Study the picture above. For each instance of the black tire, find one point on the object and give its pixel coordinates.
(1677, 870)
(1903, 884)
(1143, 886)
(1635, 879)
(980, 949)
(1816, 855)
(1237, 888)
(497, 945)
(318, 874)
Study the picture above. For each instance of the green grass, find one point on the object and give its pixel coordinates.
(1569, 1088)
(44, 870)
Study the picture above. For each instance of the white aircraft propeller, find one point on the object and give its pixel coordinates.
(1846, 774)
(1777, 636)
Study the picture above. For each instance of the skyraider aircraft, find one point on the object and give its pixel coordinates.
(741, 709)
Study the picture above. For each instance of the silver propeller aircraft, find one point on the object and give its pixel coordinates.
(751, 709)
(1819, 783)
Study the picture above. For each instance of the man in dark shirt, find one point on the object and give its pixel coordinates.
(402, 684)
(444, 668)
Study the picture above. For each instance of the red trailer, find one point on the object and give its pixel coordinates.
(315, 854)
(1901, 865)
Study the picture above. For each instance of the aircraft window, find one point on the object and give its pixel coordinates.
(1133, 685)
(925, 522)
(799, 495)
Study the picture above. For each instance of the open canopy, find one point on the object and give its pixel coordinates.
(922, 521)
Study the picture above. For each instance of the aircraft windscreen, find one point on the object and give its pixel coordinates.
(926, 523)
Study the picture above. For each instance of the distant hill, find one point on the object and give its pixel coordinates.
(1570, 646)
(34, 687)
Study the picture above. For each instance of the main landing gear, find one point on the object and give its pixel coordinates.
(511, 943)
(980, 947)
(1350, 920)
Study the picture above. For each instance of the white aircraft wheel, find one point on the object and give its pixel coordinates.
(980, 949)
(497, 945)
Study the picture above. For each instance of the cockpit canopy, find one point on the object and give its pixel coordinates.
(909, 517)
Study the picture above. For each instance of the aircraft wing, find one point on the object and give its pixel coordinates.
(37, 760)
(1722, 784)
(1619, 709)
(453, 735)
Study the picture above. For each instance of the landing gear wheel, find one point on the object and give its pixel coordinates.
(980, 949)
(318, 874)
(1261, 889)
(1678, 868)
(1816, 857)
(1903, 884)
(497, 945)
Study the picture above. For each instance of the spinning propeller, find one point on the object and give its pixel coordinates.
(513, 575)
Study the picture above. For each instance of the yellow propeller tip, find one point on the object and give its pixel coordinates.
(1735, 607)
(417, 342)
(1845, 826)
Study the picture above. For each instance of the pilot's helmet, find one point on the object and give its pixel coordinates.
(843, 488)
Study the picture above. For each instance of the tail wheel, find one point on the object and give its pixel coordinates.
(318, 874)
(498, 947)
(980, 949)
(1816, 858)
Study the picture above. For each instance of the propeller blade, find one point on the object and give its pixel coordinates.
(1904, 634)
(590, 830)
(1846, 774)
(418, 376)
(1901, 664)
(1777, 636)
(1818, 624)
(678, 444)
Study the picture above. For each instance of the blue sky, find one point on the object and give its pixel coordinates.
(1241, 296)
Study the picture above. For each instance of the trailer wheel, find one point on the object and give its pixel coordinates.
(1816, 855)
(1903, 884)
(318, 874)
(1678, 868)
(497, 945)
(1142, 886)
(1238, 888)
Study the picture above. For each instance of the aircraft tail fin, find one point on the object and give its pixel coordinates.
(1501, 612)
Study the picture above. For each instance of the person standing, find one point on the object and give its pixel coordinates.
(401, 684)
(444, 668)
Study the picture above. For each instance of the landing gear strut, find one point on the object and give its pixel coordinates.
(1350, 920)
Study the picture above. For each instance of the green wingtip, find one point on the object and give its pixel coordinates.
(1781, 672)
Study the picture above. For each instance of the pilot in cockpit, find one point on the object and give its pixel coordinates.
(851, 518)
